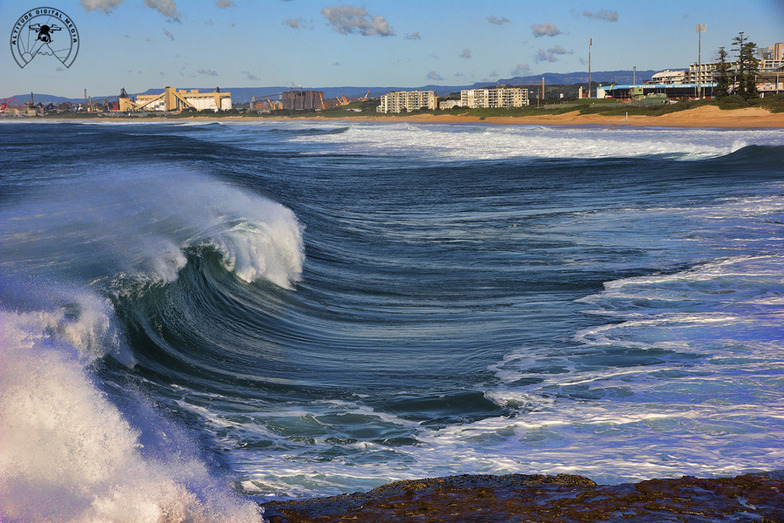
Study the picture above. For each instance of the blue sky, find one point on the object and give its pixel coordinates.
(141, 44)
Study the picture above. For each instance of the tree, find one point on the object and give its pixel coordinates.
(723, 83)
(748, 66)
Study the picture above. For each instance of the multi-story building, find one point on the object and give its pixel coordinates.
(397, 101)
(494, 97)
(771, 62)
(668, 77)
(773, 52)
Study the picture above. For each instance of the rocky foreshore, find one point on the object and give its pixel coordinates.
(539, 498)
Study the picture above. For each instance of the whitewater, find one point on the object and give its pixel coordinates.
(199, 316)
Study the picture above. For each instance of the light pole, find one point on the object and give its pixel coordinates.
(699, 28)
(590, 42)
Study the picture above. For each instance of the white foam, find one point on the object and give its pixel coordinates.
(478, 141)
(67, 453)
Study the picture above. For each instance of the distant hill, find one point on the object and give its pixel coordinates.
(614, 77)
(242, 95)
(41, 98)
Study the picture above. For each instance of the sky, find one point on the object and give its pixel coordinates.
(143, 44)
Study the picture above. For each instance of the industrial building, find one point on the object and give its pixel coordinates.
(300, 100)
(172, 100)
(397, 101)
(504, 97)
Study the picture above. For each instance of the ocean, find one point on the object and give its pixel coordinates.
(196, 316)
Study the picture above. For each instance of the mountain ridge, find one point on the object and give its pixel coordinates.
(242, 95)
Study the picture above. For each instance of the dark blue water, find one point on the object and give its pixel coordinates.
(242, 311)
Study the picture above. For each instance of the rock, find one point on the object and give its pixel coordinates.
(567, 498)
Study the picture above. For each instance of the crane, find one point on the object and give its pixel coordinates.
(342, 99)
(5, 103)
(321, 99)
(365, 97)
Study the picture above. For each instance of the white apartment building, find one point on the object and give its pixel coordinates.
(494, 97)
(668, 77)
(396, 101)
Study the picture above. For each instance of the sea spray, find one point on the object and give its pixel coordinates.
(68, 454)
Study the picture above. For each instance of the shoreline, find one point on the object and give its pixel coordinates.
(705, 117)
(564, 497)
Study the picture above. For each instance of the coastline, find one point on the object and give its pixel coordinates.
(707, 117)
(701, 117)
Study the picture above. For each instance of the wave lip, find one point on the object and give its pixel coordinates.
(140, 222)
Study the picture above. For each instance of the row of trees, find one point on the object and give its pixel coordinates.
(742, 81)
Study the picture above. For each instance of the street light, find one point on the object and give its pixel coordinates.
(699, 28)
(590, 43)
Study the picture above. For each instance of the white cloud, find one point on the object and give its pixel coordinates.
(413, 36)
(294, 23)
(551, 55)
(223, 4)
(498, 21)
(167, 8)
(604, 14)
(167, 33)
(432, 75)
(466, 53)
(545, 30)
(521, 70)
(104, 5)
(347, 19)
(208, 72)
(250, 76)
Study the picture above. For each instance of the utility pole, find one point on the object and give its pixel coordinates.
(590, 42)
(699, 28)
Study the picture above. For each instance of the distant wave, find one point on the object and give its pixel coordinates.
(309, 131)
(762, 156)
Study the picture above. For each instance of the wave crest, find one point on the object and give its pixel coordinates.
(138, 223)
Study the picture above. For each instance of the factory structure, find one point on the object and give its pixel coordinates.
(173, 100)
(302, 100)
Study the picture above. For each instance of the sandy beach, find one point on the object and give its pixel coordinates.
(706, 116)
(701, 117)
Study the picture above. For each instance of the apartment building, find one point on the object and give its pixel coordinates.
(494, 97)
(397, 101)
